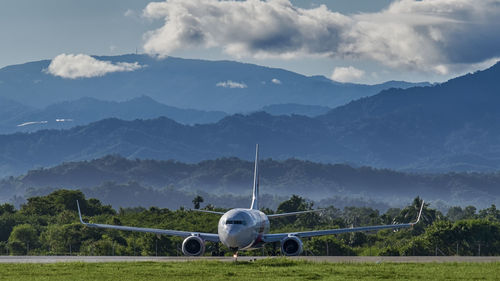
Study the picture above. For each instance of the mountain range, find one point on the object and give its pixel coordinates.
(226, 86)
(16, 117)
(445, 127)
(65, 115)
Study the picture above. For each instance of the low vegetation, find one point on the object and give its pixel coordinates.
(49, 225)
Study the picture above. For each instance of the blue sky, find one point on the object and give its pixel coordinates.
(366, 41)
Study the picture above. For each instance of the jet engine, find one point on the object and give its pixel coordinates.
(193, 246)
(291, 246)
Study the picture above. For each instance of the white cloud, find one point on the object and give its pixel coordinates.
(84, 66)
(231, 84)
(439, 36)
(129, 13)
(347, 74)
(276, 81)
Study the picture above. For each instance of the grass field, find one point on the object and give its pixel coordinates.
(272, 269)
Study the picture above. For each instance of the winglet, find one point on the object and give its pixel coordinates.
(79, 212)
(419, 213)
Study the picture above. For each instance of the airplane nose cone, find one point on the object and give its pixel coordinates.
(232, 237)
(232, 242)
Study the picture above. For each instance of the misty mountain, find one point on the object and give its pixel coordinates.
(16, 117)
(298, 109)
(446, 127)
(184, 83)
(86, 110)
(11, 110)
(162, 138)
(451, 126)
(114, 177)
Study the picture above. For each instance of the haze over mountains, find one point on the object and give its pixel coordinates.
(227, 86)
(16, 117)
(124, 182)
(65, 115)
(447, 127)
(32, 99)
(450, 127)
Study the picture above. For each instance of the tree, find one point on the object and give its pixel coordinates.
(294, 204)
(327, 245)
(390, 215)
(410, 213)
(197, 201)
(7, 223)
(23, 238)
(61, 200)
(59, 238)
(358, 216)
(491, 213)
(7, 209)
(472, 233)
(455, 213)
(418, 246)
(470, 212)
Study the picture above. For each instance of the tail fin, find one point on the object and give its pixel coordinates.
(255, 193)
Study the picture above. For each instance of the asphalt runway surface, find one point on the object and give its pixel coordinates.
(332, 259)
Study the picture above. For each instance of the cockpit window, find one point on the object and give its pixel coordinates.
(235, 222)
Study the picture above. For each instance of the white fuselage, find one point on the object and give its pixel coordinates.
(242, 229)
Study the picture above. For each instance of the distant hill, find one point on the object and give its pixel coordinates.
(10, 110)
(162, 138)
(451, 126)
(184, 83)
(83, 111)
(16, 117)
(293, 108)
(118, 179)
(447, 127)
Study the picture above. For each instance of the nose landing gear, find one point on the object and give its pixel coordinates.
(235, 255)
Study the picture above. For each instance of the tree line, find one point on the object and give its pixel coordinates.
(49, 225)
(115, 180)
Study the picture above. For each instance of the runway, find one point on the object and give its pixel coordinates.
(332, 259)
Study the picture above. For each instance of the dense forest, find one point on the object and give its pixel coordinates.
(48, 225)
(226, 182)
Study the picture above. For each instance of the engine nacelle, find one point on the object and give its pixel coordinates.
(291, 246)
(193, 246)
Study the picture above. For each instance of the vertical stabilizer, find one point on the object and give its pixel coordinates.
(255, 192)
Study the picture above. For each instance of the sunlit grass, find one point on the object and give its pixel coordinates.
(265, 269)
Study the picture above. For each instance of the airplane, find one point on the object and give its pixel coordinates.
(246, 229)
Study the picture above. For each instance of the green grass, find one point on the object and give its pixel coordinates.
(267, 269)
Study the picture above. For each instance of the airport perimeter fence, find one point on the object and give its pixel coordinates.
(451, 249)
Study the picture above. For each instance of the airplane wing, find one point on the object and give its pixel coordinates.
(208, 212)
(279, 236)
(212, 237)
(292, 213)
